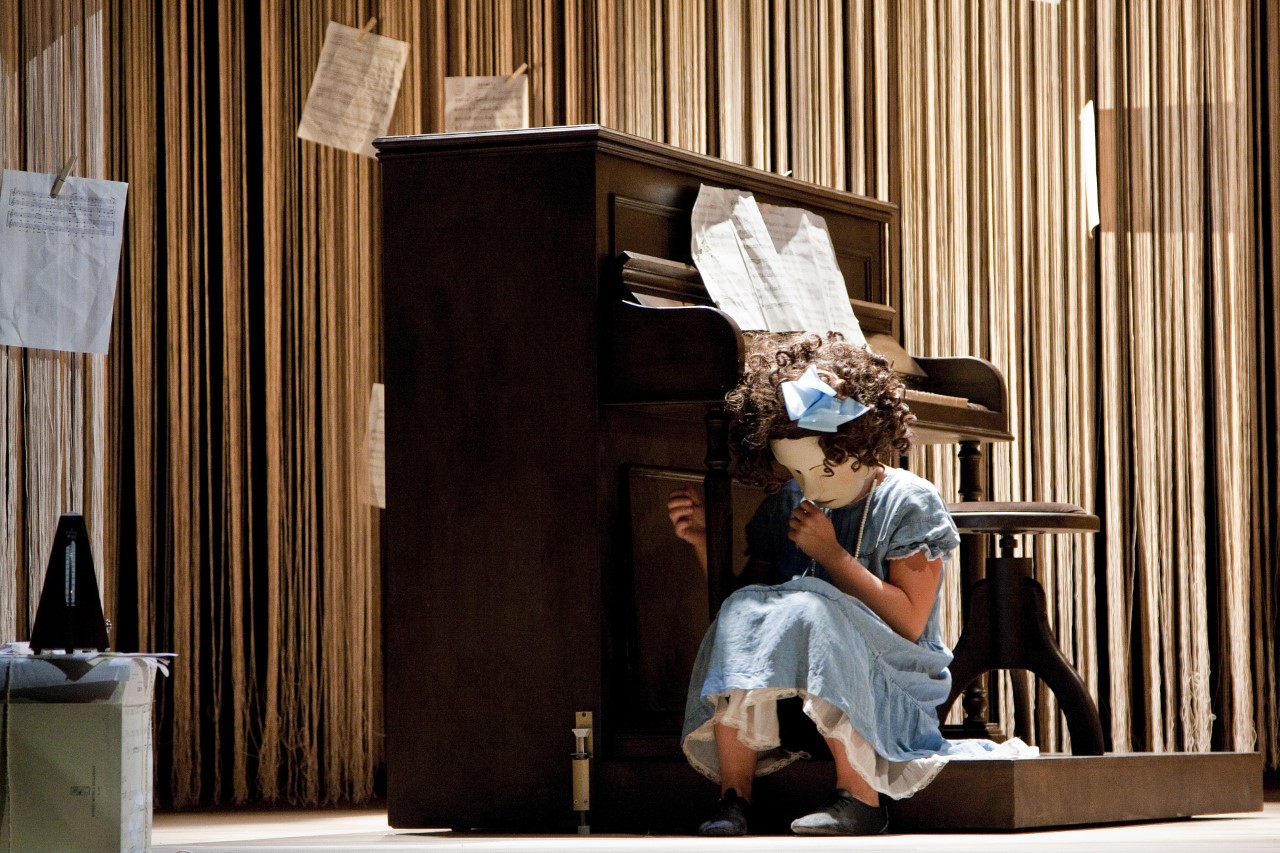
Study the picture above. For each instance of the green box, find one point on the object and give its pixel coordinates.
(77, 754)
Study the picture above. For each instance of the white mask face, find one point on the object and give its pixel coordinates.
(804, 460)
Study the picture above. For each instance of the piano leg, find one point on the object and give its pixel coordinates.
(718, 502)
(973, 559)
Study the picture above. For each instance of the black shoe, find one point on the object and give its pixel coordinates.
(730, 816)
(843, 815)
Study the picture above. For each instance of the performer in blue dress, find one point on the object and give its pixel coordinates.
(851, 552)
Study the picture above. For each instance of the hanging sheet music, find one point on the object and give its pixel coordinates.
(770, 268)
(354, 91)
(59, 258)
(486, 103)
(375, 443)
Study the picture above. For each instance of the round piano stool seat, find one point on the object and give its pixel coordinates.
(1007, 623)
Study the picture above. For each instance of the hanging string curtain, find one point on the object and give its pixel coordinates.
(996, 263)
(53, 405)
(222, 436)
(1176, 274)
(1266, 507)
(252, 346)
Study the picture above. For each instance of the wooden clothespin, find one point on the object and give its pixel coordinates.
(511, 78)
(62, 176)
(366, 29)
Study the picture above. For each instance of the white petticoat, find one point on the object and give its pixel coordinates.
(754, 715)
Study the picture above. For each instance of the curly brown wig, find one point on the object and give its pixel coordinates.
(758, 414)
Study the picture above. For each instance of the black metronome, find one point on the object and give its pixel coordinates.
(70, 613)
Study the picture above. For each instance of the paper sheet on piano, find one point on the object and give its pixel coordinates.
(771, 268)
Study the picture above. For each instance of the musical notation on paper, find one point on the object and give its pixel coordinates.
(486, 103)
(354, 92)
(59, 260)
(770, 268)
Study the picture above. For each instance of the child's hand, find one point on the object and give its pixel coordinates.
(814, 534)
(688, 516)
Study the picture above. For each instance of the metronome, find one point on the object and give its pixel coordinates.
(70, 613)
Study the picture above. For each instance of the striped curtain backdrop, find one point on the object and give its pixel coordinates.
(1180, 376)
(252, 343)
(249, 342)
(997, 263)
(54, 406)
(1265, 586)
(1131, 351)
(217, 449)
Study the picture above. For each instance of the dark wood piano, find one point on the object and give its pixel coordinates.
(537, 417)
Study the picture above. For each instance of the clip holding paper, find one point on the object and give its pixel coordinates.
(511, 78)
(62, 176)
(366, 29)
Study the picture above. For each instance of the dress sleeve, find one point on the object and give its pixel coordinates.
(922, 524)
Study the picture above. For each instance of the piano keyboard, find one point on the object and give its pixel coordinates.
(938, 399)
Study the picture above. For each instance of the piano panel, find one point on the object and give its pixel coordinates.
(688, 354)
(861, 274)
(665, 613)
(659, 230)
(653, 229)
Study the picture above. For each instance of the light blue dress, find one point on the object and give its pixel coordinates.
(802, 636)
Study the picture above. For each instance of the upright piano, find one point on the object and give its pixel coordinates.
(553, 368)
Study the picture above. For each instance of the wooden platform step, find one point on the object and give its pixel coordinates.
(991, 795)
(1065, 790)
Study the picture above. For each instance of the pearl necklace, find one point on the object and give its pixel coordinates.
(812, 568)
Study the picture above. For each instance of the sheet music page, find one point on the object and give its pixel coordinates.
(486, 103)
(59, 258)
(721, 260)
(375, 443)
(354, 91)
(805, 249)
(786, 305)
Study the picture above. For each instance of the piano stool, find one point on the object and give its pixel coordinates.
(1007, 628)
(1007, 620)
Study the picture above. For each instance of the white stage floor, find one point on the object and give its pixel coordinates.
(367, 830)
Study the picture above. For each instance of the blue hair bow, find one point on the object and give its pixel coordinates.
(813, 404)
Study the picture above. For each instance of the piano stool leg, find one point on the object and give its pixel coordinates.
(972, 657)
(1021, 704)
(973, 558)
(1043, 657)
